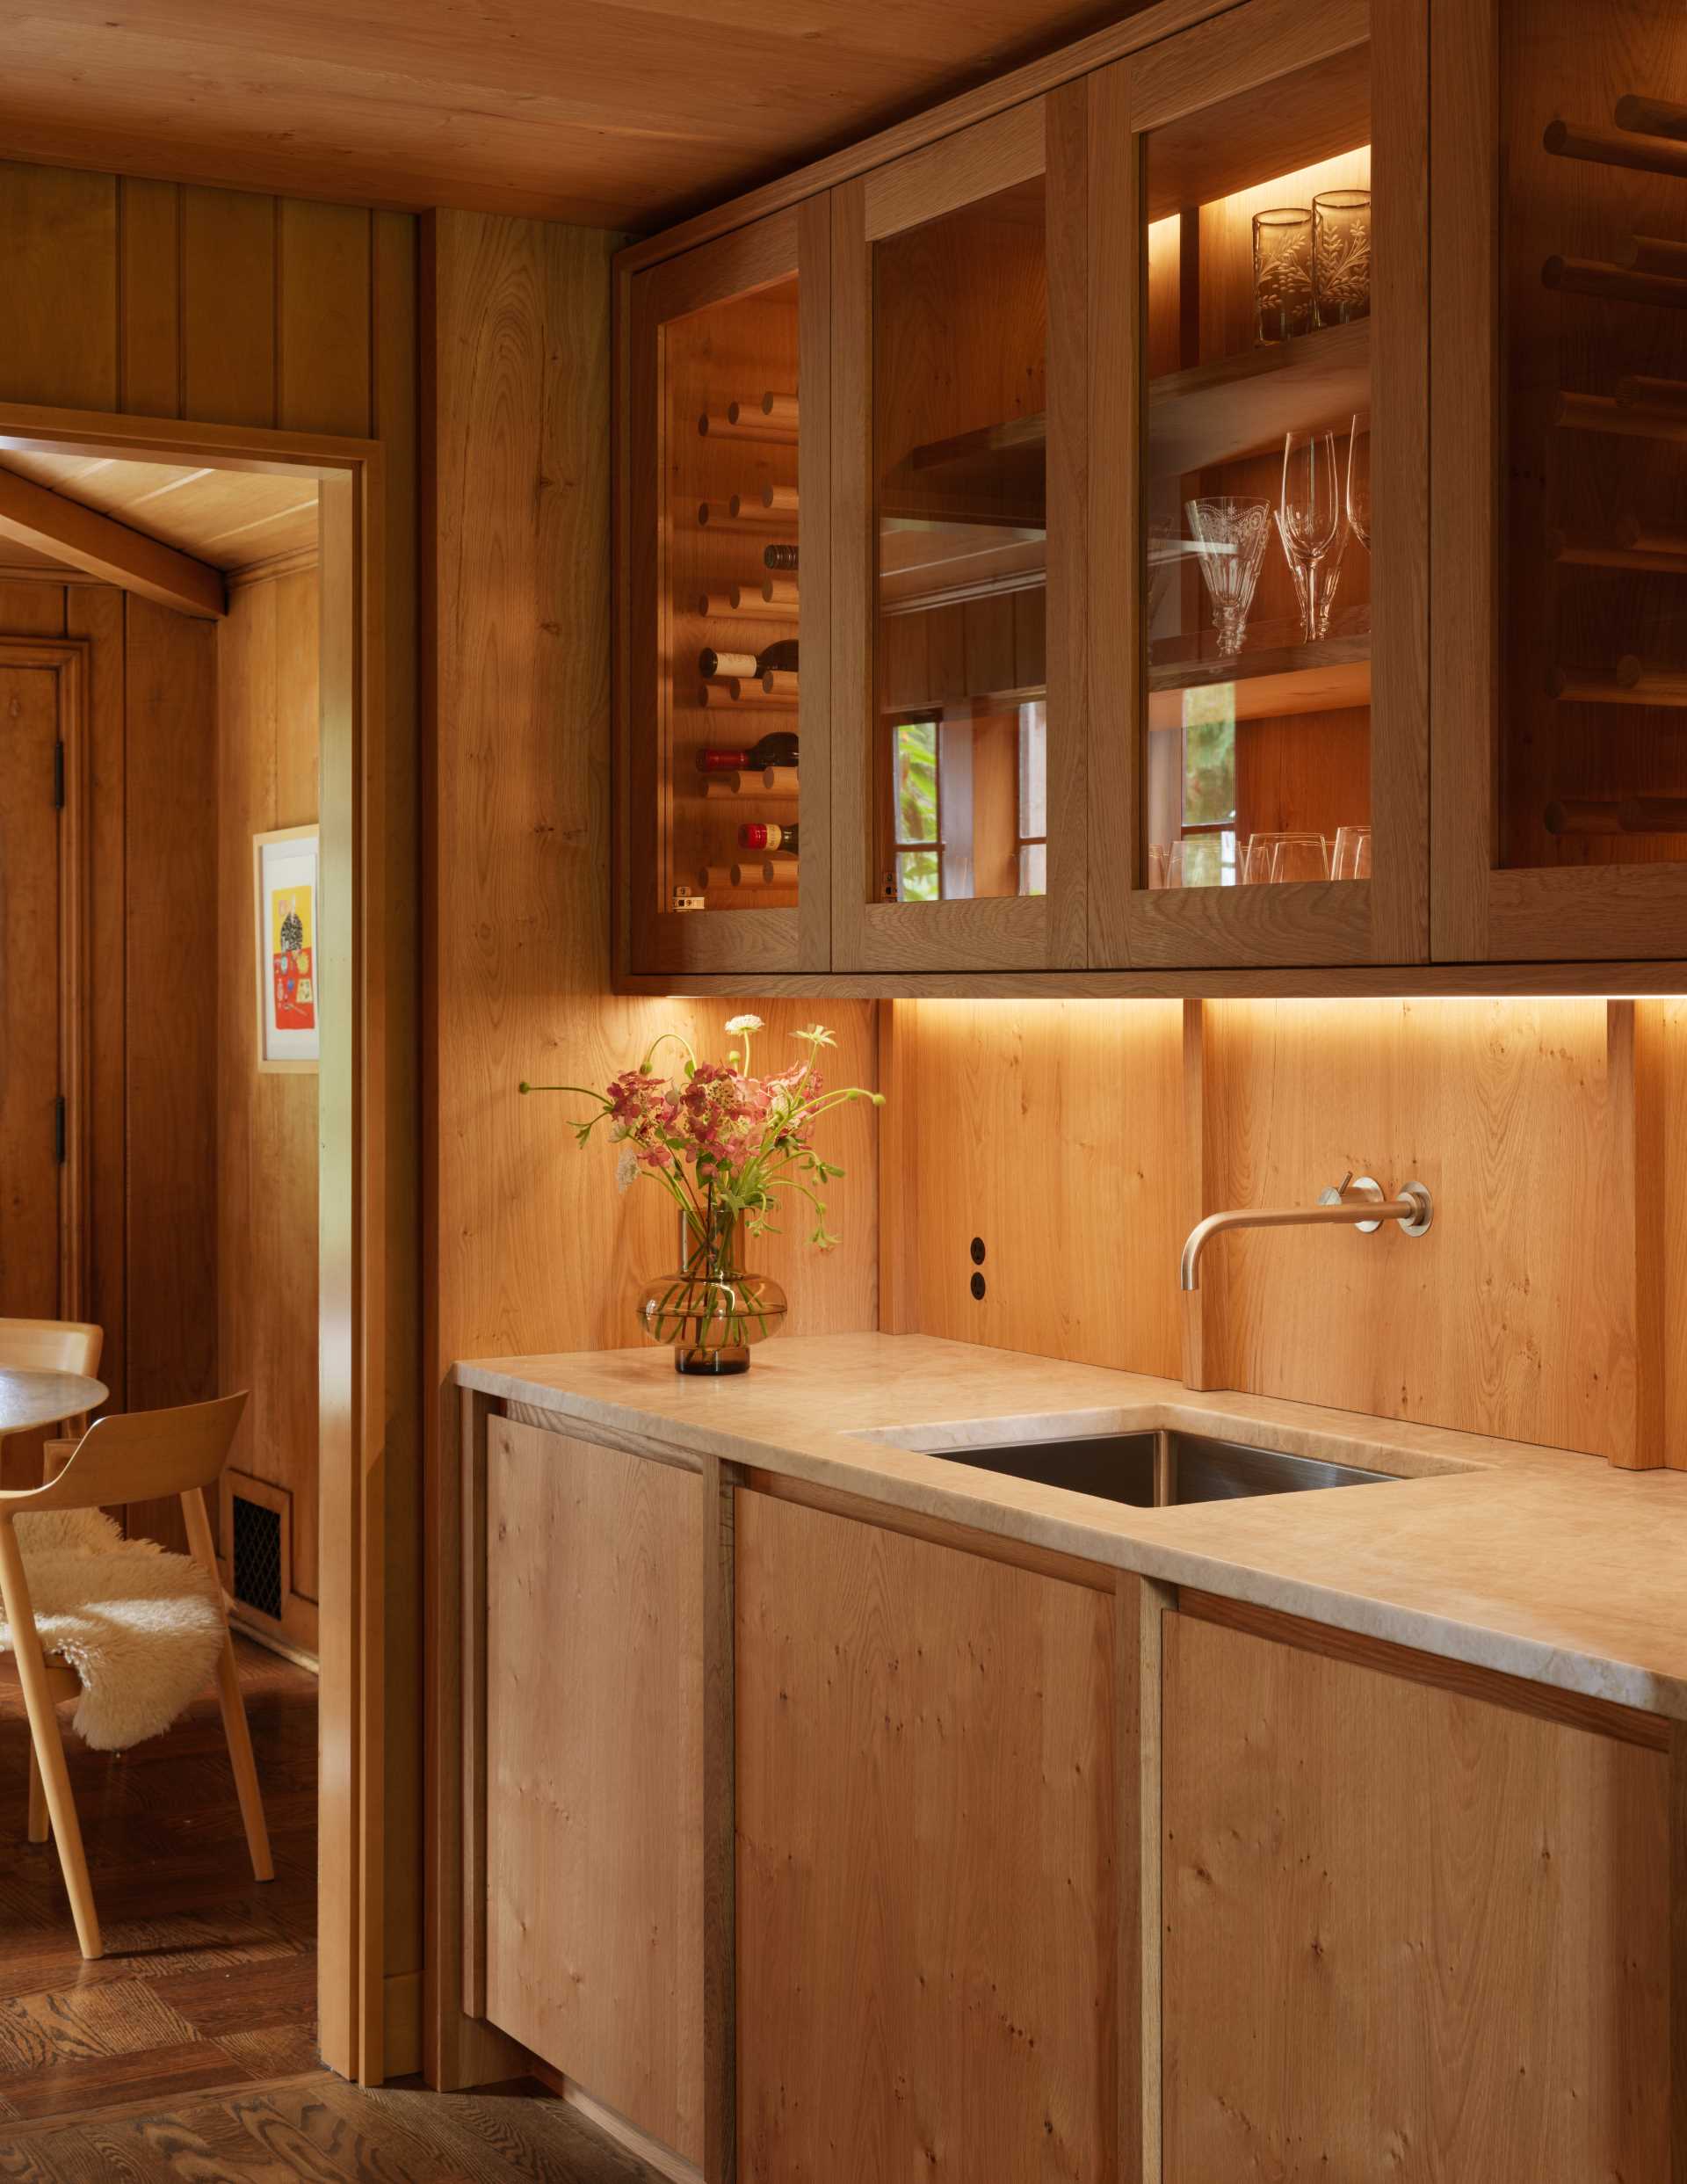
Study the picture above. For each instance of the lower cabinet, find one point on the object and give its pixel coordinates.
(593, 1771)
(1409, 1932)
(927, 1894)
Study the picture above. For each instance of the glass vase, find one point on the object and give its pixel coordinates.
(712, 1310)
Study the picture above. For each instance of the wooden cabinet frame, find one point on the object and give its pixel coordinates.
(1044, 137)
(1384, 919)
(1483, 912)
(650, 936)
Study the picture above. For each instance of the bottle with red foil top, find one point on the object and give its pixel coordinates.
(767, 838)
(779, 748)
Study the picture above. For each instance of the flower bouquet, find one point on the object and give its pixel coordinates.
(733, 1151)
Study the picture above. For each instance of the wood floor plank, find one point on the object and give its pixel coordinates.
(83, 2023)
(251, 1998)
(158, 2075)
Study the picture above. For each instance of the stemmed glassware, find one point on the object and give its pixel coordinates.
(1229, 538)
(1358, 483)
(1310, 523)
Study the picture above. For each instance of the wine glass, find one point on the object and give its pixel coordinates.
(1230, 543)
(1358, 483)
(1309, 524)
(1352, 859)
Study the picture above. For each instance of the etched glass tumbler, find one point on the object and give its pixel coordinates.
(1283, 301)
(1229, 539)
(1341, 256)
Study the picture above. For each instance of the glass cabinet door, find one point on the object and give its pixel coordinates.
(1258, 633)
(959, 331)
(726, 698)
(1560, 480)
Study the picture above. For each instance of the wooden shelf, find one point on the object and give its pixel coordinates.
(996, 475)
(924, 566)
(1244, 404)
(1333, 676)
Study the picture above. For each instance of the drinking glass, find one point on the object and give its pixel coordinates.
(1358, 483)
(1341, 256)
(1352, 859)
(1299, 856)
(1309, 524)
(1256, 860)
(1230, 543)
(1197, 862)
(1159, 860)
(1283, 303)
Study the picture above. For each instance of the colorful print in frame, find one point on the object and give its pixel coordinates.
(286, 868)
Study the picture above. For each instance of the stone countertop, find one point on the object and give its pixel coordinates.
(1540, 1561)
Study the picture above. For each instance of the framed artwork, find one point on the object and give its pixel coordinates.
(286, 877)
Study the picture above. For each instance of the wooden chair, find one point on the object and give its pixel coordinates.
(132, 1457)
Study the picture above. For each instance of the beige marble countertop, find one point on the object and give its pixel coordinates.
(1541, 1561)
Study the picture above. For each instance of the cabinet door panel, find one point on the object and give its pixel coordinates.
(927, 1970)
(961, 377)
(727, 423)
(1259, 647)
(594, 1727)
(1559, 467)
(1407, 1932)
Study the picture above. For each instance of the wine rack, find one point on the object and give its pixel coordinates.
(732, 416)
(1593, 751)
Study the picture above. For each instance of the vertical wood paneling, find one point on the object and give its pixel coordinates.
(323, 312)
(229, 336)
(95, 612)
(393, 421)
(58, 247)
(28, 609)
(151, 298)
(171, 678)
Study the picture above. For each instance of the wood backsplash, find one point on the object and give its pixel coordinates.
(1079, 1140)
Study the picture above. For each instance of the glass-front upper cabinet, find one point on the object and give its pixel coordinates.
(959, 421)
(725, 690)
(1258, 637)
(1560, 602)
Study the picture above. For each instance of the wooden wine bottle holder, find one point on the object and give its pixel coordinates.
(732, 424)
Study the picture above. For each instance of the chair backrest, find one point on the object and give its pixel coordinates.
(138, 1455)
(51, 1345)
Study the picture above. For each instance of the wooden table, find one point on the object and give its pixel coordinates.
(30, 1398)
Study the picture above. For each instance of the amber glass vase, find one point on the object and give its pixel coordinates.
(712, 1310)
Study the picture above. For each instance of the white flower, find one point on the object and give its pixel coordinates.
(627, 1169)
(744, 1023)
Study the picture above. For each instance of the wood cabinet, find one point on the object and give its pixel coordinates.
(1079, 374)
(1417, 1920)
(594, 1870)
(927, 1877)
(1560, 187)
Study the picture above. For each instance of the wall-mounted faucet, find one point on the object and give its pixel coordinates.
(1365, 1210)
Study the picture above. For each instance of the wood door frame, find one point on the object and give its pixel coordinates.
(355, 1397)
(67, 660)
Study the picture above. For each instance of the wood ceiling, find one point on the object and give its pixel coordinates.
(625, 115)
(232, 519)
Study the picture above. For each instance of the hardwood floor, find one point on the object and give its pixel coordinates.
(188, 2052)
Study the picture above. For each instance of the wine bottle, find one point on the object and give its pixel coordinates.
(764, 835)
(779, 748)
(779, 558)
(780, 658)
(711, 664)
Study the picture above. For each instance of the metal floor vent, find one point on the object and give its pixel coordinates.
(257, 1556)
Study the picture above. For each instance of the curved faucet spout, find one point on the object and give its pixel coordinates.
(1412, 1210)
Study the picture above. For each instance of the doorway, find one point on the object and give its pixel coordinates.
(168, 569)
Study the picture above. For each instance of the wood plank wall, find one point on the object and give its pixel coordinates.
(1082, 1139)
(267, 1229)
(151, 822)
(231, 307)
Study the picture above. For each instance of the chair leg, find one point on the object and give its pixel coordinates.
(37, 1828)
(45, 1739)
(235, 1726)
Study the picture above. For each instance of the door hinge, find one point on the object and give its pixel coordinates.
(58, 777)
(59, 1129)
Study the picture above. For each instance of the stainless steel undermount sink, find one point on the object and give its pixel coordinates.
(1149, 1471)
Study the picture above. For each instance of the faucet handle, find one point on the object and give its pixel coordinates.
(1335, 1197)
